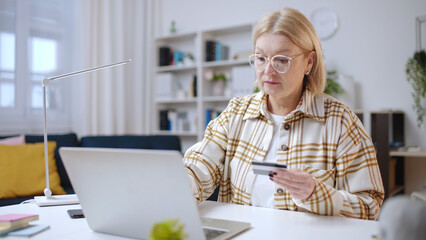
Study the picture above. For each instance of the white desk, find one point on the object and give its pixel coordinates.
(266, 223)
(418, 154)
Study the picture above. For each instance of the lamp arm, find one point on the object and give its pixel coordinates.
(44, 82)
(47, 191)
(48, 79)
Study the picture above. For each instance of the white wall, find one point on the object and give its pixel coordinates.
(372, 44)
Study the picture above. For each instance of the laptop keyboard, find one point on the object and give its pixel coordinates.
(211, 233)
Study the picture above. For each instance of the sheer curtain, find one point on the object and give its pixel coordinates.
(110, 101)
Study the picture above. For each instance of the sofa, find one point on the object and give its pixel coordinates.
(168, 142)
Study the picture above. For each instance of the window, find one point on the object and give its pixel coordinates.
(7, 55)
(35, 42)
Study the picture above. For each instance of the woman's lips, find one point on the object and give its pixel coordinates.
(271, 82)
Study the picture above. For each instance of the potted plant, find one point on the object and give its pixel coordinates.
(170, 229)
(219, 81)
(332, 87)
(416, 76)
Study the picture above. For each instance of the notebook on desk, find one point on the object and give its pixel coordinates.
(126, 191)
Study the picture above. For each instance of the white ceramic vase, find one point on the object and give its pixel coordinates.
(218, 88)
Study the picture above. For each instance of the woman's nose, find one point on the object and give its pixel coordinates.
(269, 70)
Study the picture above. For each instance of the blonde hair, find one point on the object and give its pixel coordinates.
(299, 29)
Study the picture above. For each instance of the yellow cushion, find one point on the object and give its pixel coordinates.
(22, 171)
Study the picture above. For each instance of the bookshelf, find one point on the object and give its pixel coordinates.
(386, 130)
(180, 86)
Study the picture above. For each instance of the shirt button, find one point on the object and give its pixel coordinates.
(287, 126)
(280, 191)
(284, 147)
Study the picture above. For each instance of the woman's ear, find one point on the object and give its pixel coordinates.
(311, 60)
(312, 57)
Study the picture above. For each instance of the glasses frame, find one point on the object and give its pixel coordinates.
(269, 59)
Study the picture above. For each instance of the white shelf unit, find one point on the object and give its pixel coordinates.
(238, 39)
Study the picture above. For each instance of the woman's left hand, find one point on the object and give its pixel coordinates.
(298, 183)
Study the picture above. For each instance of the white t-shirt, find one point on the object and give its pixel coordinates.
(262, 194)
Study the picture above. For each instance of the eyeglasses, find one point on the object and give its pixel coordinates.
(280, 63)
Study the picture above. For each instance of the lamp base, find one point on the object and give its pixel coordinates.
(56, 200)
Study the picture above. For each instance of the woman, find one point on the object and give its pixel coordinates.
(331, 161)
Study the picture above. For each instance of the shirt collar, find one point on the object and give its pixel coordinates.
(257, 106)
(311, 106)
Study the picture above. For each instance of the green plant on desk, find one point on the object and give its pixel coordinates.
(416, 75)
(170, 229)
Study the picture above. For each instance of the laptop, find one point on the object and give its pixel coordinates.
(125, 192)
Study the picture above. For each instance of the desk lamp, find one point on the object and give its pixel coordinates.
(48, 199)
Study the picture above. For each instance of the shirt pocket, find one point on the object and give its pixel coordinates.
(326, 176)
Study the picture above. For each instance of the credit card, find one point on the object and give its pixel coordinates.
(264, 168)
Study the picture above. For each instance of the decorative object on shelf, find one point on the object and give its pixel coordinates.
(242, 55)
(169, 229)
(218, 88)
(325, 22)
(219, 81)
(173, 27)
(333, 87)
(188, 60)
(181, 94)
(407, 149)
(416, 76)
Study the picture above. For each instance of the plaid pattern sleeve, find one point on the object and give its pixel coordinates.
(321, 136)
(357, 190)
(204, 160)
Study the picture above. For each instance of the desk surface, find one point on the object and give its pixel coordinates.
(419, 154)
(266, 223)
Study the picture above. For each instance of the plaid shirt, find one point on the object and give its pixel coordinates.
(321, 136)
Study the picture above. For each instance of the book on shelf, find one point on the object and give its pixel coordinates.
(178, 58)
(225, 53)
(174, 121)
(216, 51)
(210, 50)
(193, 87)
(164, 56)
(182, 123)
(211, 114)
(164, 120)
(222, 52)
